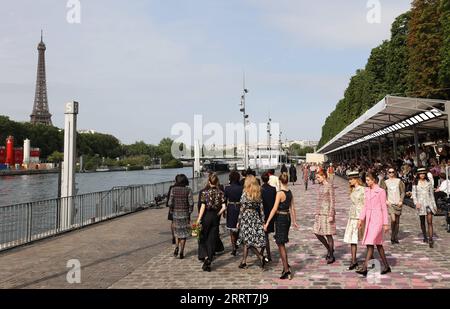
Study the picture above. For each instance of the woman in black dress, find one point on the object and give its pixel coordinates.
(268, 194)
(233, 194)
(213, 206)
(283, 213)
(293, 173)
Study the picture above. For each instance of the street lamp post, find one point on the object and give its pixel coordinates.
(281, 147)
(269, 141)
(245, 117)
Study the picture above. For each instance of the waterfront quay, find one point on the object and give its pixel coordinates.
(135, 251)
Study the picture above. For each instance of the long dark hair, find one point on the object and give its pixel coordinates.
(416, 180)
(234, 177)
(181, 180)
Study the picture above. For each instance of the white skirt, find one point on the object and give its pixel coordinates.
(351, 235)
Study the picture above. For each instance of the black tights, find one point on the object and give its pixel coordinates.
(328, 242)
(234, 237)
(244, 257)
(181, 242)
(284, 257)
(395, 227)
(369, 256)
(267, 248)
(354, 250)
(429, 218)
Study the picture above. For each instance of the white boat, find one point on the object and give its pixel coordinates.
(102, 169)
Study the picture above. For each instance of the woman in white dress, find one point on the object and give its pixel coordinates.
(352, 235)
(423, 197)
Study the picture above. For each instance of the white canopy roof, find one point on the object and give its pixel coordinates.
(390, 115)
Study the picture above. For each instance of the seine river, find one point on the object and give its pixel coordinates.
(29, 188)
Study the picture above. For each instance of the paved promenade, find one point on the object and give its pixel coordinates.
(136, 252)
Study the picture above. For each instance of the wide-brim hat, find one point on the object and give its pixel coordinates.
(421, 171)
(353, 174)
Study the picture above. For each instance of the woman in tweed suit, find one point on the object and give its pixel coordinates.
(423, 197)
(181, 203)
(325, 223)
(352, 235)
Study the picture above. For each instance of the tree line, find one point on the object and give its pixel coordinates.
(96, 148)
(415, 62)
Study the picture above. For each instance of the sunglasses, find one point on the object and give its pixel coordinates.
(391, 172)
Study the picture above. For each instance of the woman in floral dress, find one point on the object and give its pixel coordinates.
(251, 222)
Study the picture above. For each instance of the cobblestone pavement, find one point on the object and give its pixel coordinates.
(135, 252)
(414, 264)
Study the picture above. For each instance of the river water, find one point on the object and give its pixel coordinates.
(30, 188)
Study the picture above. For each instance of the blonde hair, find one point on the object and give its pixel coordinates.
(252, 188)
(359, 181)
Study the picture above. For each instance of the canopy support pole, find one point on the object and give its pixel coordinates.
(416, 143)
(394, 141)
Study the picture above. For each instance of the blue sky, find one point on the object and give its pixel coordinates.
(137, 67)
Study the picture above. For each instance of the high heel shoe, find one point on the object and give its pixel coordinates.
(431, 243)
(173, 241)
(243, 266)
(181, 255)
(175, 253)
(353, 266)
(362, 272)
(331, 259)
(206, 265)
(263, 262)
(425, 239)
(386, 270)
(286, 275)
(234, 253)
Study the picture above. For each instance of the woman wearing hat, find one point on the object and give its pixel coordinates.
(357, 198)
(423, 197)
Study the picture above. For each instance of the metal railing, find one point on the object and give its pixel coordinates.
(27, 222)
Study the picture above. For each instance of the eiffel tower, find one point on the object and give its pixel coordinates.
(40, 112)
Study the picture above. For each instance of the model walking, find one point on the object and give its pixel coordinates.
(251, 218)
(325, 224)
(293, 174)
(233, 194)
(283, 213)
(213, 206)
(395, 190)
(423, 197)
(268, 194)
(352, 235)
(375, 217)
(181, 203)
(306, 176)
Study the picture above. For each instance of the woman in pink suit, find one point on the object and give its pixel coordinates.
(375, 217)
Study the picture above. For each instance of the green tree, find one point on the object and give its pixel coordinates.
(56, 157)
(424, 44)
(397, 56)
(444, 72)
